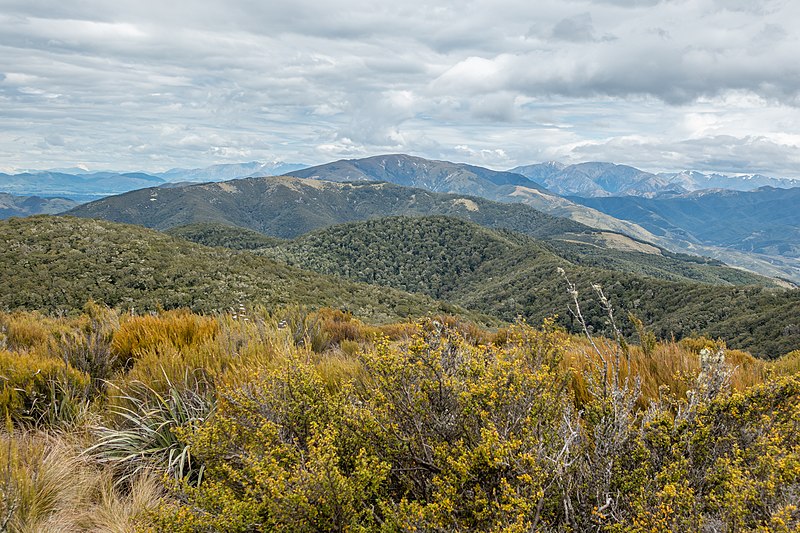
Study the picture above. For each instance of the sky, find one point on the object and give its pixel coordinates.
(150, 85)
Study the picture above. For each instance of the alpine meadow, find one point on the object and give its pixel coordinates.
(400, 267)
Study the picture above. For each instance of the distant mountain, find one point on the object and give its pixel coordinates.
(22, 206)
(409, 171)
(226, 172)
(506, 274)
(458, 178)
(763, 223)
(598, 179)
(594, 179)
(692, 180)
(58, 263)
(83, 185)
(78, 187)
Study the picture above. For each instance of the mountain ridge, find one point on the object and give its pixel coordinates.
(20, 206)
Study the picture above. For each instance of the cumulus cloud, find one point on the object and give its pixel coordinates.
(152, 84)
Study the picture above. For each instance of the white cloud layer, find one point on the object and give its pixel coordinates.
(710, 84)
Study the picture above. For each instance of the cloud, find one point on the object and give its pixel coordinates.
(153, 84)
(576, 29)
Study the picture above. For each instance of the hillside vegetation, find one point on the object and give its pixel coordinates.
(506, 275)
(215, 234)
(58, 263)
(290, 420)
(286, 207)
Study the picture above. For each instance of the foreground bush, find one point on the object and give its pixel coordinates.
(439, 434)
(313, 421)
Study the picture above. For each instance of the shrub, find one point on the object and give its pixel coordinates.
(278, 455)
(41, 391)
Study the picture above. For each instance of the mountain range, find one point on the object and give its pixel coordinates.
(596, 179)
(764, 223)
(590, 179)
(229, 171)
(77, 187)
(449, 177)
(81, 185)
(756, 248)
(459, 178)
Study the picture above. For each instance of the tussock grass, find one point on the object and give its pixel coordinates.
(144, 430)
(47, 485)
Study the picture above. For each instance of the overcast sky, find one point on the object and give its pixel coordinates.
(141, 84)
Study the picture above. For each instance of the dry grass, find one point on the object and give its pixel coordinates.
(671, 368)
(787, 365)
(47, 486)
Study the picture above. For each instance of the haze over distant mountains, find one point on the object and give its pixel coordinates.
(765, 221)
(590, 179)
(229, 171)
(83, 185)
(21, 206)
(596, 179)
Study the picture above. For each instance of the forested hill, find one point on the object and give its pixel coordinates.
(588, 248)
(505, 275)
(287, 207)
(58, 263)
